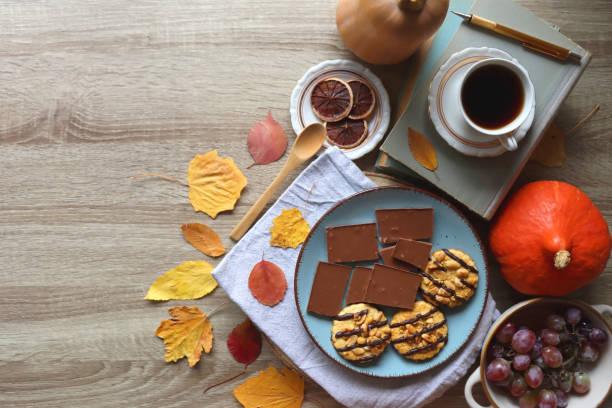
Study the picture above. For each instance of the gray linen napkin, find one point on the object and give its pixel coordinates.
(335, 177)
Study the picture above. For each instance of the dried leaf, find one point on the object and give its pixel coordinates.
(290, 229)
(422, 150)
(271, 389)
(203, 238)
(267, 141)
(186, 334)
(244, 342)
(215, 183)
(267, 283)
(551, 150)
(189, 280)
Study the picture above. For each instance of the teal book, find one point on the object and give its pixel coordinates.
(482, 183)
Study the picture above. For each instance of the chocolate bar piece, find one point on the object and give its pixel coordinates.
(358, 287)
(413, 252)
(352, 243)
(387, 256)
(393, 287)
(328, 288)
(396, 223)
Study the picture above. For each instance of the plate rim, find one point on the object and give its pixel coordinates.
(368, 191)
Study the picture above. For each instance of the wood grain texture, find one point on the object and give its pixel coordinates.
(92, 92)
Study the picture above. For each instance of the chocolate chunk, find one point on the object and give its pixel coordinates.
(396, 223)
(328, 288)
(413, 252)
(393, 287)
(358, 286)
(387, 256)
(352, 243)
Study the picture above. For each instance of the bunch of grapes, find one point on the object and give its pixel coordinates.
(542, 369)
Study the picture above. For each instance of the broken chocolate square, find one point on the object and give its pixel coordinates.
(396, 223)
(352, 243)
(413, 252)
(387, 256)
(328, 288)
(358, 287)
(393, 287)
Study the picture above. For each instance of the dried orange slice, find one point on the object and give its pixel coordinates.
(363, 99)
(346, 133)
(331, 99)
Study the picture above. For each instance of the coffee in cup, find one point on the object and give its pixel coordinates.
(496, 98)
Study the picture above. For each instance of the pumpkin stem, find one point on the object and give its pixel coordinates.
(411, 5)
(562, 259)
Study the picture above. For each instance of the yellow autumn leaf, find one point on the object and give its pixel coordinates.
(271, 389)
(422, 150)
(203, 238)
(290, 229)
(215, 183)
(187, 334)
(551, 150)
(189, 280)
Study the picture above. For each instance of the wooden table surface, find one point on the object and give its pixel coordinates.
(92, 92)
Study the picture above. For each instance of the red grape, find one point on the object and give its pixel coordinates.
(562, 399)
(518, 386)
(598, 336)
(498, 370)
(582, 382)
(565, 381)
(523, 341)
(589, 352)
(555, 322)
(550, 337)
(536, 351)
(505, 333)
(528, 400)
(547, 399)
(573, 316)
(534, 376)
(520, 362)
(552, 356)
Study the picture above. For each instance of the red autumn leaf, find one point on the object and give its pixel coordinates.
(244, 342)
(267, 283)
(266, 141)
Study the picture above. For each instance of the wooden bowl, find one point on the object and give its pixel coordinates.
(532, 313)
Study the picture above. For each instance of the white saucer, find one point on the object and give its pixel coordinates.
(445, 112)
(302, 114)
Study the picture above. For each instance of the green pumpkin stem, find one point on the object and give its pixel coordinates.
(562, 259)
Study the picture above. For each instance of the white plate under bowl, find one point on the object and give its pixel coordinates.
(302, 114)
(445, 112)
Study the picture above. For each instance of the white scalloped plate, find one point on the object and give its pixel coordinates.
(445, 112)
(302, 114)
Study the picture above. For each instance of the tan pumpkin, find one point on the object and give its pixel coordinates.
(388, 31)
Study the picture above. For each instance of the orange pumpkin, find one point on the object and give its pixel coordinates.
(388, 31)
(550, 239)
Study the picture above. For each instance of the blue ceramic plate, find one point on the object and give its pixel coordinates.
(451, 230)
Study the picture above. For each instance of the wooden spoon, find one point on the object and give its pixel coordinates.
(306, 144)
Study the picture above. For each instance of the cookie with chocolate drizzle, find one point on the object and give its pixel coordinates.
(450, 278)
(360, 333)
(420, 333)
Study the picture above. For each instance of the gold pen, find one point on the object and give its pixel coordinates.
(527, 41)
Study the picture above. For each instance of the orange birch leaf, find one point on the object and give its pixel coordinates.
(551, 149)
(290, 229)
(187, 334)
(203, 238)
(267, 283)
(271, 389)
(422, 150)
(215, 183)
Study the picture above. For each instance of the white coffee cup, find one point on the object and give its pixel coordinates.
(504, 134)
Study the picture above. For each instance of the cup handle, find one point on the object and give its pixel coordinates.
(603, 308)
(508, 141)
(467, 391)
